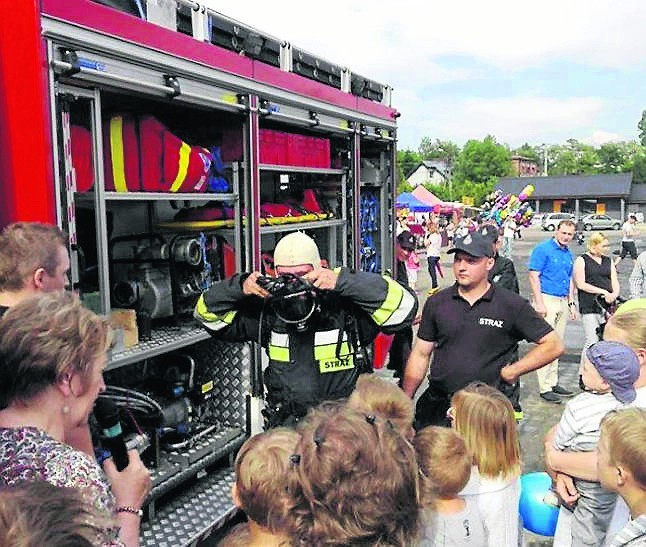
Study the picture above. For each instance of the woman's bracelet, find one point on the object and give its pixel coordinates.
(129, 509)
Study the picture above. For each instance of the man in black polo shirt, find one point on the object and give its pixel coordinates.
(472, 329)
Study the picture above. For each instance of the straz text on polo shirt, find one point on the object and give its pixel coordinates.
(499, 323)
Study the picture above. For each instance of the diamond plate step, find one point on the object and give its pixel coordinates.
(193, 514)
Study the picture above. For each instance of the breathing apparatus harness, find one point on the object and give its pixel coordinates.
(294, 300)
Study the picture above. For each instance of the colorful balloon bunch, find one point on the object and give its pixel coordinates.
(498, 207)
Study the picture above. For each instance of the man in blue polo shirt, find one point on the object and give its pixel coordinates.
(550, 279)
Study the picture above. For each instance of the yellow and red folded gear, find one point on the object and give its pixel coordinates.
(183, 168)
(121, 154)
(141, 154)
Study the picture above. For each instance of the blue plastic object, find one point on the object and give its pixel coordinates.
(538, 517)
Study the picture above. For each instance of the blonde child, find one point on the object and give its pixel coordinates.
(621, 463)
(260, 489)
(449, 519)
(485, 419)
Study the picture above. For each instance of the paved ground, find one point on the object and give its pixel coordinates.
(540, 415)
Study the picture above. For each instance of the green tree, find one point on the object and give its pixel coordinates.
(632, 150)
(588, 161)
(613, 157)
(407, 160)
(573, 158)
(528, 151)
(403, 186)
(642, 129)
(442, 191)
(446, 151)
(480, 160)
(561, 161)
(639, 168)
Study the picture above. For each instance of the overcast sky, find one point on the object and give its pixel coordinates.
(539, 72)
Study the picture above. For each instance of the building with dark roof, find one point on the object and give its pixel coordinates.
(428, 172)
(614, 195)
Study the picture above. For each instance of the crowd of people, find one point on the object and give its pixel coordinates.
(468, 472)
(355, 472)
(348, 458)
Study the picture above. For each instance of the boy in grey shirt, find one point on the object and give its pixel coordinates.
(609, 372)
(449, 520)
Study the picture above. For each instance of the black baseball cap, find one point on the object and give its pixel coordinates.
(406, 240)
(473, 244)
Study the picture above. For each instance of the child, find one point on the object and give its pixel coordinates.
(412, 267)
(260, 489)
(355, 482)
(41, 514)
(485, 418)
(609, 372)
(449, 519)
(377, 396)
(622, 468)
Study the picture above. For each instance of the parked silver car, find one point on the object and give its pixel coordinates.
(600, 222)
(552, 220)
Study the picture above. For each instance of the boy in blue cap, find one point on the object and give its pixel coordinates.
(609, 372)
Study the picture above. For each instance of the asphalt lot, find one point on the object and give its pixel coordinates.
(539, 415)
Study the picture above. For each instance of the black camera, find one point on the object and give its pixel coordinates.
(293, 299)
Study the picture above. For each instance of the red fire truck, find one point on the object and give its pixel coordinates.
(175, 146)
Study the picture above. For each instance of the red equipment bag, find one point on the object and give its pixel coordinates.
(268, 210)
(168, 163)
(81, 146)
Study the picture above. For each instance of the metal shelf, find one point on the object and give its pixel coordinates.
(204, 452)
(296, 169)
(301, 226)
(192, 515)
(164, 339)
(156, 196)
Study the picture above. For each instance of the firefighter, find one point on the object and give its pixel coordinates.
(314, 323)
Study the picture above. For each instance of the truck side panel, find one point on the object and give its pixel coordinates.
(26, 154)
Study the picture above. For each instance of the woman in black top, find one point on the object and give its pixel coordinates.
(594, 274)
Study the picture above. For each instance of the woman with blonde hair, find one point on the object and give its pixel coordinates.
(485, 419)
(52, 356)
(594, 276)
